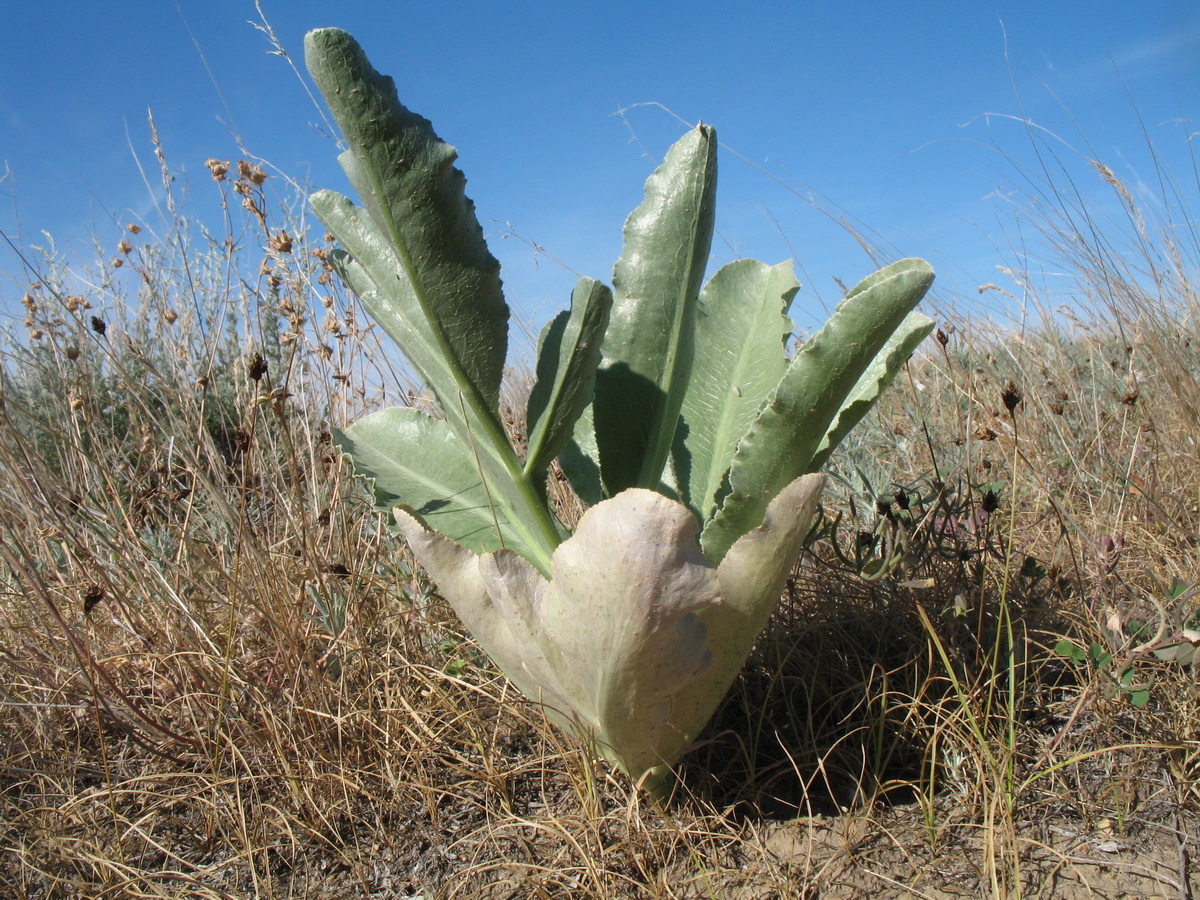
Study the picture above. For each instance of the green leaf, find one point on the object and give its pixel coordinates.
(741, 332)
(648, 348)
(1178, 588)
(1032, 570)
(580, 461)
(1138, 631)
(874, 381)
(1098, 655)
(371, 269)
(404, 174)
(1070, 650)
(416, 460)
(568, 353)
(781, 443)
(416, 256)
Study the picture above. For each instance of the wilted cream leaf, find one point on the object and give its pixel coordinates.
(636, 637)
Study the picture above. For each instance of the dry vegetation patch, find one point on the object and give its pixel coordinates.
(224, 678)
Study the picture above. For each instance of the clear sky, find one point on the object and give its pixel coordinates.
(890, 112)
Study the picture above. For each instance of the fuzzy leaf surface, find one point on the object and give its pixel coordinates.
(878, 377)
(579, 461)
(649, 345)
(635, 637)
(786, 433)
(568, 353)
(417, 460)
(741, 331)
(405, 177)
(367, 263)
(501, 629)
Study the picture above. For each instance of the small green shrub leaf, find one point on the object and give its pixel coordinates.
(1098, 655)
(1070, 650)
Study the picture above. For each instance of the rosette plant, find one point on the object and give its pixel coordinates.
(672, 406)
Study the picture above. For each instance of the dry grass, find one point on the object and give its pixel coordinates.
(223, 678)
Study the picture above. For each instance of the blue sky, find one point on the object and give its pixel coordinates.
(888, 112)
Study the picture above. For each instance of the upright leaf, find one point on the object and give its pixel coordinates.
(741, 331)
(648, 348)
(568, 353)
(418, 260)
(580, 461)
(405, 177)
(371, 268)
(878, 377)
(782, 441)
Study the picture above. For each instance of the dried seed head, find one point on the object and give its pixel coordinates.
(1011, 397)
(133, 228)
(29, 303)
(942, 337)
(256, 367)
(73, 303)
(124, 247)
(93, 595)
(282, 242)
(116, 262)
(218, 169)
(98, 325)
(169, 316)
(71, 352)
